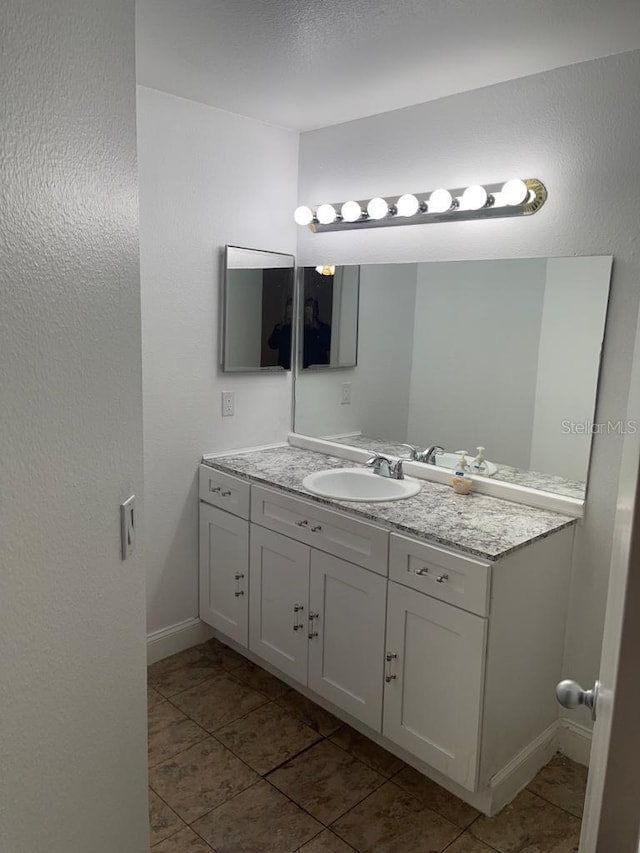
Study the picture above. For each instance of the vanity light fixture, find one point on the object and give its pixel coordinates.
(516, 197)
(326, 269)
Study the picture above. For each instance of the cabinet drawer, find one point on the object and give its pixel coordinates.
(353, 540)
(453, 578)
(224, 491)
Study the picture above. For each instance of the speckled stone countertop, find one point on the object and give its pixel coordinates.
(519, 476)
(480, 525)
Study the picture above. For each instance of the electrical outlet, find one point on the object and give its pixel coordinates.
(128, 522)
(228, 404)
(345, 394)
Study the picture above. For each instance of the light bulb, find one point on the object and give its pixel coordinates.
(303, 215)
(326, 214)
(378, 208)
(407, 205)
(440, 201)
(351, 211)
(515, 192)
(326, 269)
(474, 198)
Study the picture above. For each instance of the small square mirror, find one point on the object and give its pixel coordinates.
(257, 311)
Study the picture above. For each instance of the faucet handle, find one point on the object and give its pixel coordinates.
(396, 469)
(414, 453)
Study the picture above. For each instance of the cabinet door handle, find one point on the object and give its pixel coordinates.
(302, 523)
(226, 493)
(238, 577)
(297, 625)
(390, 676)
(312, 616)
(316, 529)
(213, 488)
(442, 578)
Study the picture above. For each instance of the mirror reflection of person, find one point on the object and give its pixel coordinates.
(317, 336)
(280, 337)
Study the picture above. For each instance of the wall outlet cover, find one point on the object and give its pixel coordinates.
(228, 404)
(345, 394)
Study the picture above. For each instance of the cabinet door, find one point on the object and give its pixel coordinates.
(279, 574)
(433, 693)
(224, 572)
(347, 607)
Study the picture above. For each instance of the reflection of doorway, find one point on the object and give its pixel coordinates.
(320, 288)
(276, 292)
(317, 318)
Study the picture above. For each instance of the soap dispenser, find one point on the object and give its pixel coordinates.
(462, 481)
(479, 464)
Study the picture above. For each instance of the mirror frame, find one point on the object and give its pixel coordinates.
(223, 312)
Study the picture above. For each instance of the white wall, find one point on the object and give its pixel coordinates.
(73, 685)
(476, 338)
(207, 178)
(380, 382)
(575, 307)
(575, 128)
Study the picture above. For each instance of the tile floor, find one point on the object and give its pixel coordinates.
(240, 763)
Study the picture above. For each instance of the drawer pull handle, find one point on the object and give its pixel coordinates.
(390, 676)
(302, 523)
(439, 579)
(226, 494)
(297, 625)
(214, 489)
(312, 616)
(238, 577)
(316, 529)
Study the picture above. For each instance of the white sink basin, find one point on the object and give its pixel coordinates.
(356, 484)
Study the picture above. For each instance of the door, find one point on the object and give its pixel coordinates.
(611, 819)
(433, 684)
(224, 572)
(278, 596)
(347, 607)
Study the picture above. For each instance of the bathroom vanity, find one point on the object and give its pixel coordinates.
(435, 625)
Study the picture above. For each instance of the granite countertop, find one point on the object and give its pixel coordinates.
(486, 527)
(506, 473)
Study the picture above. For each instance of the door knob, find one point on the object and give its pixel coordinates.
(571, 695)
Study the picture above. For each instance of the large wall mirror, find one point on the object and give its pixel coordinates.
(502, 354)
(257, 310)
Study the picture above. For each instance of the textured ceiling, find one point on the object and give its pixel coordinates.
(302, 64)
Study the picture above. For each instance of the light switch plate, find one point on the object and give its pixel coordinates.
(345, 394)
(128, 522)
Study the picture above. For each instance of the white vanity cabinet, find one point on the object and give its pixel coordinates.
(224, 554)
(446, 659)
(320, 620)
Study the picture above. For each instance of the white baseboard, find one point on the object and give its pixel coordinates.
(517, 774)
(169, 641)
(574, 741)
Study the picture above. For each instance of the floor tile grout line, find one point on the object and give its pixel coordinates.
(551, 803)
(265, 774)
(361, 760)
(169, 757)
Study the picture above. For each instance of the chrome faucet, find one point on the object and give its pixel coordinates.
(384, 467)
(427, 456)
